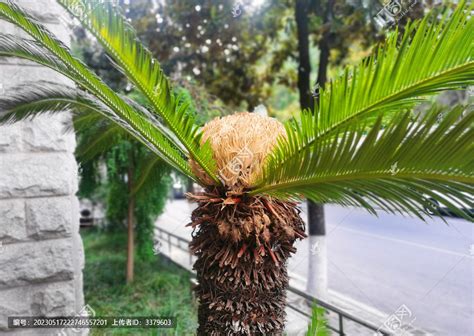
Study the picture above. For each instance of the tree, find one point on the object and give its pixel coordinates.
(206, 42)
(136, 182)
(253, 168)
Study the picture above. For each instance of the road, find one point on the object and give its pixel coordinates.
(390, 261)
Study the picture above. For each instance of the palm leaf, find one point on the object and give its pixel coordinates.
(318, 325)
(151, 168)
(434, 58)
(105, 136)
(121, 43)
(125, 115)
(397, 167)
(429, 59)
(30, 100)
(99, 135)
(14, 46)
(157, 122)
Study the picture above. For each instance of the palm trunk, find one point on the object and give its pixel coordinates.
(242, 246)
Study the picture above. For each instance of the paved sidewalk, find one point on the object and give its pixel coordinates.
(174, 220)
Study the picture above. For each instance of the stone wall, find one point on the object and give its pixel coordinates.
(41, 255)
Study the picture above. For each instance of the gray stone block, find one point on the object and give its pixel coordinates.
(45, 133)
(48, 133)
(13, 302)
(10, 138)
(36, 262)
(54, 299)
(12, 221)
(12, 76)
(49, 217)
(30, 175)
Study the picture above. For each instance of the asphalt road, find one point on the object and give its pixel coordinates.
(390, 261)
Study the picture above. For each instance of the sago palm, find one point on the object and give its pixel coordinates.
(254, 168)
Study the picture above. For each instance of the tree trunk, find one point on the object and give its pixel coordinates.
(323, 45)
(316, 222)
(317, 282)
(242, 246)
(130, 224)
(304, 67)
(317, 270)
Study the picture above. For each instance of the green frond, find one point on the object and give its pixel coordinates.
(105, 136)
(14, 46)
(86, 119)
(156, 120)
(32, 99)
(125, 115)
(397, 167)
(152, 178)
(99, 135)
(120, 41)
(430, 58)
(318, 325)
(151, 170)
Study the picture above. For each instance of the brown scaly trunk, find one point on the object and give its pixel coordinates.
(242, 245)
(130, 222)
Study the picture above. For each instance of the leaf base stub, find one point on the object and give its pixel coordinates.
(242, 248)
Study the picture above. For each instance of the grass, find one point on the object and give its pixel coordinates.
(159, 288)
